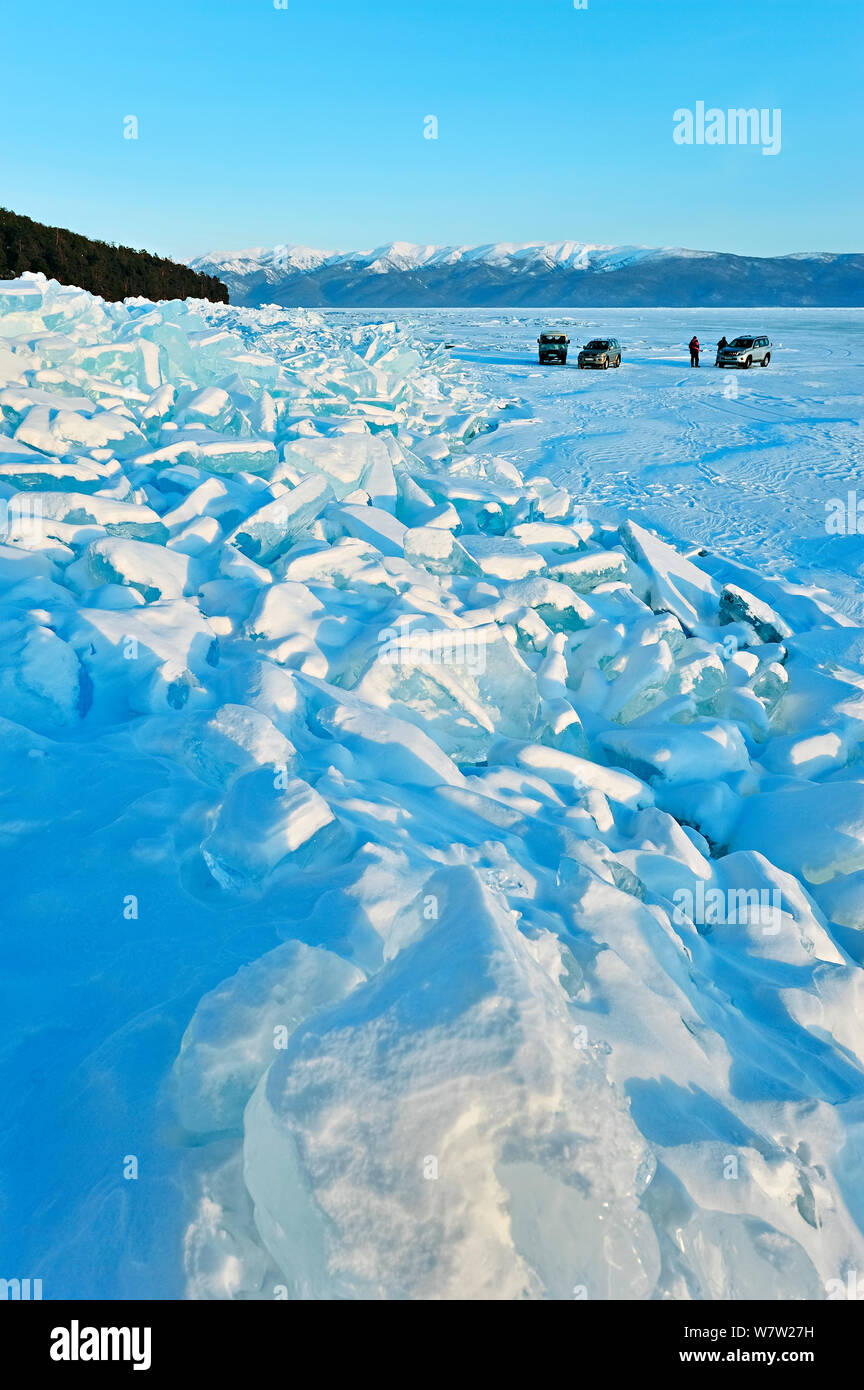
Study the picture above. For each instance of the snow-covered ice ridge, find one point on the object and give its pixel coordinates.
(360, 798)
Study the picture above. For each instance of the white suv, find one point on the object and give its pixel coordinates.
(743, 352)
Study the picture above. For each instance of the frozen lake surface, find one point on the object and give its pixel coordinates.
(744, 462)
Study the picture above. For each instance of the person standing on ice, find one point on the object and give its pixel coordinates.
(694, 351)
(720, 346)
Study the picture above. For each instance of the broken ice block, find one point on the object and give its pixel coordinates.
(20, 296)
(225, 454)
(438, 550)
(40, 677)
(265, 816)
(557, 604)
(736, 605)
(228, 1045)
(585, 570)
(151, 569)
(270, 531)
(117, 518)
(368, 523)
(676, 583)
(679, 753)
(503, 557)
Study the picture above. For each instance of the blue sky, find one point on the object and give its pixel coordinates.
(259, 125)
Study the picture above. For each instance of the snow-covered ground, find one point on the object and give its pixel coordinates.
(421, 880)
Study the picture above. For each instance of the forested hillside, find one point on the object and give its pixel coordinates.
(114, 272)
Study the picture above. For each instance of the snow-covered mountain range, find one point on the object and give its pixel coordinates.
(532, 274)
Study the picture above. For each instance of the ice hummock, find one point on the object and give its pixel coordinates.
(437, 893)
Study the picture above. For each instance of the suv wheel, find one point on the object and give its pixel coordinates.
(605, 363)
(766, 359)
(618, 363)
(748, 362)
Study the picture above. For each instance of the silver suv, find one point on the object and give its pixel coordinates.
(743, 352)
(600, 352)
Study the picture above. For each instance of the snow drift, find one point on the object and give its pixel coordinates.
(389, 843)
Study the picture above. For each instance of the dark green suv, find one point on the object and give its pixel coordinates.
(553, 347)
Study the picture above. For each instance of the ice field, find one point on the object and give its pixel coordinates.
(432, 834)
(743, 461)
